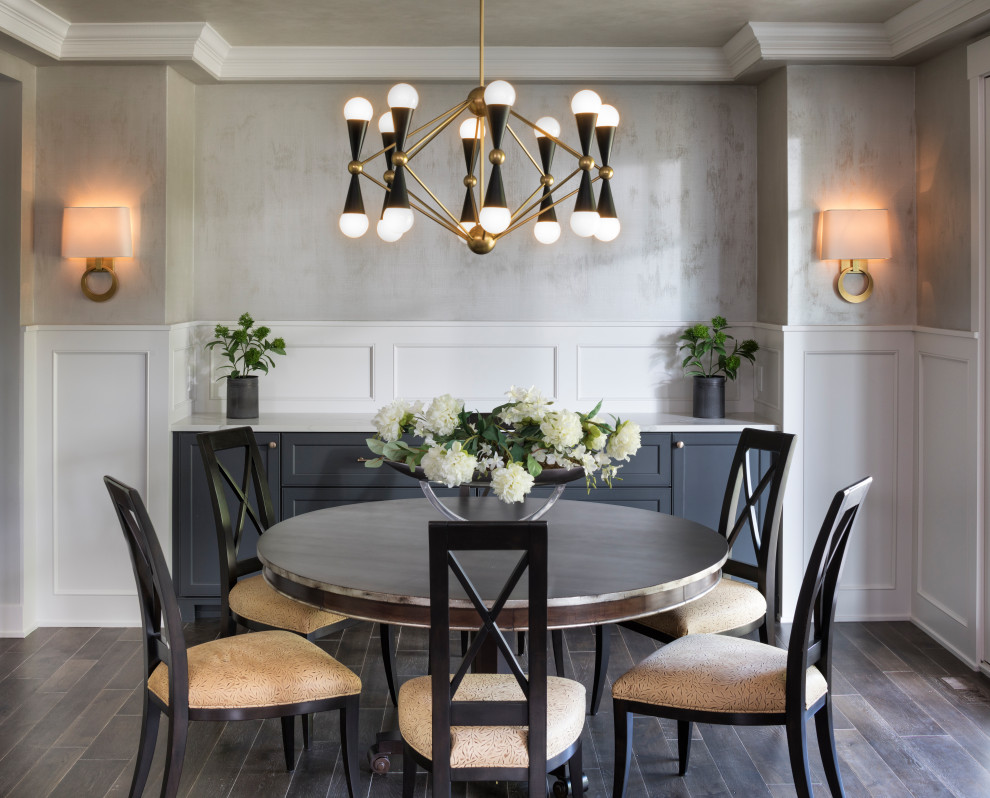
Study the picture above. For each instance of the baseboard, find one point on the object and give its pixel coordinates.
(971, 661)
(12, 621)
(867, 617)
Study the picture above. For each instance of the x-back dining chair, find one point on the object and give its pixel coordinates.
(734, 607)
(709, 678)
(249, 600)
(273, 674)
(482, 726)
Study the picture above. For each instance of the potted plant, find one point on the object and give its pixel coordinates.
(711, 363)
(247, 348)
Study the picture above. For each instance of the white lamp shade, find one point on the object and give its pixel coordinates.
(855, 235)
(494, 219)
(546, 232)
(472, 128)
(353, 225)
(585, 223)
(608, 229)
(550, 125)
(402, 95)
(398, 220)
(358, 108)
(586, 102)
(96, 233)
(608, 116)
(386, 234)
(385, 123)
(500, 92)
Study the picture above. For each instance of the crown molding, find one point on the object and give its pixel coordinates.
(766, 43)
(34, 25)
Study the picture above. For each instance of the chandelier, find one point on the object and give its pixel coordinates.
(487, 110)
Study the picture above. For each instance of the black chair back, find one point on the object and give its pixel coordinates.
(811, 633)
(746, 499)
(156, 595)
(252, 501)
(447, 539)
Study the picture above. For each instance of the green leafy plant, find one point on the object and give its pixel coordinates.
(708, 352)
(246, 347)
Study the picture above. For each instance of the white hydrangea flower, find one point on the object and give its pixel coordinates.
(440, 417)
(585, 458)
(512, 483)
(452, 466)
(625, 442)
(389, 420)
(595, 439)
(562, 429)
(530, 406)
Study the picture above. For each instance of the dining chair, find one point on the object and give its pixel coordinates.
(485, 726)
(708, 678)
(752, 500)
(273, 674)
(249, 600)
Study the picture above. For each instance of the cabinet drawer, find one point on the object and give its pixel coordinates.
(655, 499)
(330, 459)
(296, 501)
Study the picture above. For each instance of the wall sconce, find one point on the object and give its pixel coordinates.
(853, 237)
(99, 235)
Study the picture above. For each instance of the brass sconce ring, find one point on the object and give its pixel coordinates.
(861, 297)
(84, 282)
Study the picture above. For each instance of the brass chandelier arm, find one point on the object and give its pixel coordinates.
(376, 181)
(530, 218)
(520, 212)
(382, 151)
(430, 214)
(448, 116)
(560, 143)
(523, 146)
(434, 197)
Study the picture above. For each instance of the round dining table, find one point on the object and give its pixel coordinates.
(607, 563)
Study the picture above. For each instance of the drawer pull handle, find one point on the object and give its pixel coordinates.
(679, 445)
(272, 445)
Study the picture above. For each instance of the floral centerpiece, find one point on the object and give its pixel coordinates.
(510, 446)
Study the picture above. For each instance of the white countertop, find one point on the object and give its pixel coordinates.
(361, 422)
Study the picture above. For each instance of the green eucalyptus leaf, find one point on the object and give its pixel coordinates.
(376, 445)
(533, 466)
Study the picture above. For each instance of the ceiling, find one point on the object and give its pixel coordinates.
(586, 23)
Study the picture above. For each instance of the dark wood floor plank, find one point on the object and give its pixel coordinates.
(733, 760)
(23, 720)
(50, 657)
(217, 776)
(33, 641)
(953, 765)
(874, 649)
(96, 646)
(45, 775)
(90, 722)
(89, 777)
(14, 692)
(65, 677)
(859, 761)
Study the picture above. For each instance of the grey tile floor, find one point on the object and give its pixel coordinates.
(911, 720)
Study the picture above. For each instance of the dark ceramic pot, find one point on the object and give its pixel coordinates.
(709, 397)
(242, 397)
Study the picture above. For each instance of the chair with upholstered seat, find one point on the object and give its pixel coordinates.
(487, 726)
(755, 487)
(708, 678)
(245, 599)
(274, 674)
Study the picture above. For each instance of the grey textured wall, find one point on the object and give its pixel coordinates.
(945, 276)
(271, 179)
(180, 221)
(771, 273)
(101, 141)
(850, 144)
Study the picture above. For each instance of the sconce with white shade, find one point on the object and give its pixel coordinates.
(99, 235)
(854, 237)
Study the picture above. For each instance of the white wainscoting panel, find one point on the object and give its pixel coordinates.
(768, 372)
(849, 396)
(947, 552)
(183, 353)
(103, 403)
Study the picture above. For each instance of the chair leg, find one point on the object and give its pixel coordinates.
(826, 744)
(797, 749)
(465, 642)
(602, 643)
(178, 729)
(307, 729)
(623, 720)
(520, 643)
(557, 636)
(683, 745)
(576, 772)
(387, 634)
(150, 717)
(409, 772)
(289, 741)
(349, 742)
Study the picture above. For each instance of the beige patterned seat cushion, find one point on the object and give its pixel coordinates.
(730, 605)
(253, 598)
(715, 673)
(259, 669)
(491, 746)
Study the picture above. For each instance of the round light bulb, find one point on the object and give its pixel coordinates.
(608, 116)
(353, 225)
(471, 129)
(499, 92)
(467, 227)
(546, 232)
(358, 108)
(494, 219)
(400, 219)
(608, 229)
(584, 102)
(386, 234)
(550, 125)
(402, 95)
(385, 123)
(585, 223)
